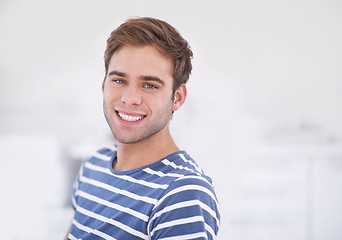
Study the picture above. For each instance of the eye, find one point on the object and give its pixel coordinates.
(118, 81)
(150, 86)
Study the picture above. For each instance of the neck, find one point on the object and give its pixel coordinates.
(148, 151)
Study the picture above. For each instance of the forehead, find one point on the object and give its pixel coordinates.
(145, 59)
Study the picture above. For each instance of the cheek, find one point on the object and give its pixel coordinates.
(109, 94)
(165, 105)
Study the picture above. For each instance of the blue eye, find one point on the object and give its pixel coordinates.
(150, 86)
(118, 81)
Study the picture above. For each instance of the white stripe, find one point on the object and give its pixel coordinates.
(125, 177)
(111, 147)
(210, 230)
(203, 179)
(73, 201)
(187, 236)
(82, 227)
(195, 177)
(72, 237)
(101, 156)
(187, 204)
(191, 163)
(181, 221)
(117, 190)
(167, 162)
(96, 168)
(103, 235)
(161, 174)
(186, 188)
(89, 230)
(120, 225)
(113, 205)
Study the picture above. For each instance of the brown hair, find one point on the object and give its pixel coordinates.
(144, 31)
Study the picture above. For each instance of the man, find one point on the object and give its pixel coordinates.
(144, 187)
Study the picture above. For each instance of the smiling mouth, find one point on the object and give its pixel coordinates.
(129, 118)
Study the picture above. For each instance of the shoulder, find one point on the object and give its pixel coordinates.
(191, 187)
(105, 152)
(188, 206)
(181, 163)
(102, 154)
(191, 178)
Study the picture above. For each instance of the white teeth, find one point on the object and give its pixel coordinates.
(129, 118)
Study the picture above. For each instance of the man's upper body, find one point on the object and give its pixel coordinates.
(147, 66)
(168, 199)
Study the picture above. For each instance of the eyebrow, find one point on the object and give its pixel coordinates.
(153, 78)
(145, 78)
(120, 74)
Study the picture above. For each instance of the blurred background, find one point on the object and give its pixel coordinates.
(263, 116)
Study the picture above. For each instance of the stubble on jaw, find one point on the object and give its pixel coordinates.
(148, 131)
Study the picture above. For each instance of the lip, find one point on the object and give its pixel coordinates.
(134, 114)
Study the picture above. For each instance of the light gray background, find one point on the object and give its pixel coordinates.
(263, 116)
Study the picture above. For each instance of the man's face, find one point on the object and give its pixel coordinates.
(137, 93)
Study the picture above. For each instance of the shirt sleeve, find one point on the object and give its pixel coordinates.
(188, 209)
(75, 187)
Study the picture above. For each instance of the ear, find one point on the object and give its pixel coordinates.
(103, 84)
(179, 97)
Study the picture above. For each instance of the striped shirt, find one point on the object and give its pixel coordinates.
(169, 199)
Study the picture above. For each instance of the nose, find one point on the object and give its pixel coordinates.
(131, 95)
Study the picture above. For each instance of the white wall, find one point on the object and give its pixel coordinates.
(263, 115)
